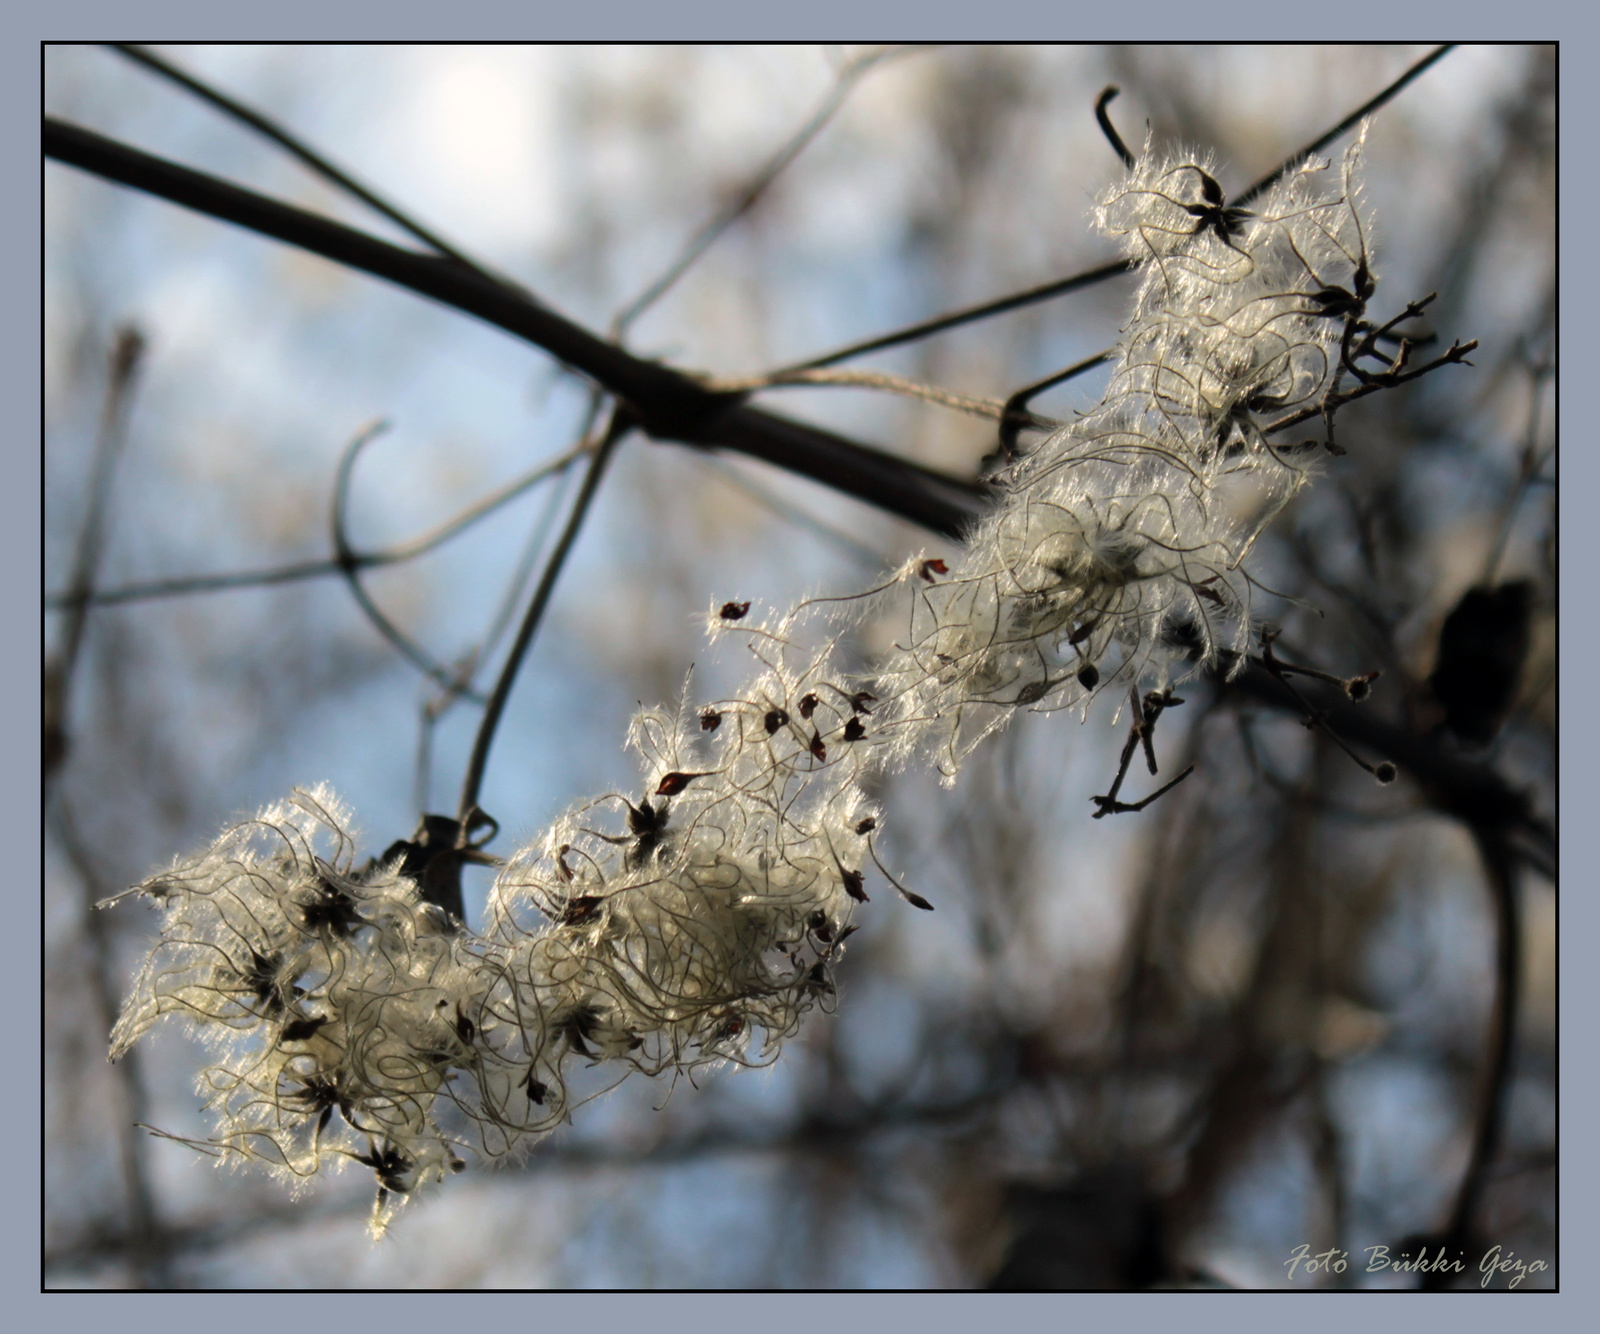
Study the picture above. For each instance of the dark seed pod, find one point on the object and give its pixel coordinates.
(580, 910)
(298, 1030)
(675, 782)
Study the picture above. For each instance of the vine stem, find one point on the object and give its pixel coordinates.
(620, 424)
(1354, 118)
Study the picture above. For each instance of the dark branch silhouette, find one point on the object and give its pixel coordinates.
(667, 404)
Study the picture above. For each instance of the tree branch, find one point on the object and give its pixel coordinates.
(307, 156)
(668, 404)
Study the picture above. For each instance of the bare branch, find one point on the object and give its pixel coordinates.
(270, 129)
(667, 404)
(182, 585)
(126, 352)
(619, 425)
(345, 559)
(697, 245)
(1354, 118)
(992, 409)
(940, 323)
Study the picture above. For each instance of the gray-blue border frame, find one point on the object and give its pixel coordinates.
(21, 524)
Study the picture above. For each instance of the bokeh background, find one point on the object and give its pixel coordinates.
(1165, 1048)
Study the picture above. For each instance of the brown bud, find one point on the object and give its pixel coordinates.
(674, 783)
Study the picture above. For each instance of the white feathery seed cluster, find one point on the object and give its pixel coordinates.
(697, 923)
(1120, 547)
(325, 988)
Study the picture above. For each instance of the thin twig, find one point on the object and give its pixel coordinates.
(1107, 95)
(874, 560)
(529, 557)
(1014, 416)
(1529, 466)
(270, 129)
(182, 585)
(619, 425)
(1455, 355)
(126, 351)
(844, 83)
(435, 709)
(967, 315)
(1463, 789)
(1093, 276)
(1354, 118)
(1142, 732)
(991, 409)
(1384, 771)
(1131, 807)
(150, 1242)
(345, 558)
